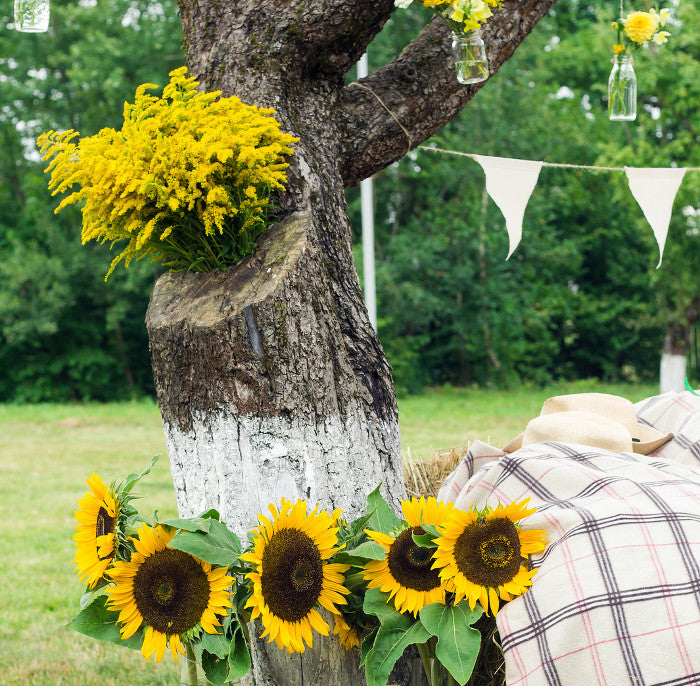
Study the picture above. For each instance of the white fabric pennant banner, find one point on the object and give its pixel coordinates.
(655, 190)
(510, 184)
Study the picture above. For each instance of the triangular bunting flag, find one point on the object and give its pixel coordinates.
(510, 184)
(655, 190)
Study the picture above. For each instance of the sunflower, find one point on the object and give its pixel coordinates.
(95, 532)
(406, 571)
(479, 554)
(290, 575)
(169, 591)
(347, 635)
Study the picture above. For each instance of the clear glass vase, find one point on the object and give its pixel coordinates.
(470, 57)
(32, 16)
(622, 90)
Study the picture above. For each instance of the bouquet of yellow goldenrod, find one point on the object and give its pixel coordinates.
(387, 582)
(186, 181)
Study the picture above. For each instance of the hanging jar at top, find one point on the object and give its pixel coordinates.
(32, 16)
(622, 89)
(470, 57)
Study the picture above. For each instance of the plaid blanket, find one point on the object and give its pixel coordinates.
(616, 600)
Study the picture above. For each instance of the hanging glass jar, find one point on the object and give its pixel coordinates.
(32, 16)
(470, 57)
(622, 89)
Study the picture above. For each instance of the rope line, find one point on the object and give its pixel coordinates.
(383, 104)
(544, 164)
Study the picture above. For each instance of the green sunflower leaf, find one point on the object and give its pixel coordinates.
(98, 622)
(379, 604)
(215, 668)
(381, 516)
(424, 540)
(458, 643)
(194, 524)
(131, 480)
(216, 644)
(394, 635)
(217, 545)
(351, 533)
(367, 645)
(238, 657)
(369, 550)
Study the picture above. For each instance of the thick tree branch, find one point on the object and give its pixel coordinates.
(402, 104)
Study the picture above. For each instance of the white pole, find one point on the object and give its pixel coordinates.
(367, 206)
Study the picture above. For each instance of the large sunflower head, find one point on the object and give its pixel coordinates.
(95, 533)
(291, 574)
(171, 592)
(406, 573)
(480, 553)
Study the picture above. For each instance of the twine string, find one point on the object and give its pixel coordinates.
(384, 105)
(589, 167)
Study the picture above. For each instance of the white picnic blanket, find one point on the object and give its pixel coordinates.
(616, 600)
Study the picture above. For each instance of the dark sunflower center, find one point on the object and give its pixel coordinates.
(171, 591)
(292, 574)
(410, 564)
(488, 553)
(104, 525)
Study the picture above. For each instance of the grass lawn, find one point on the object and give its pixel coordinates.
(47, 451)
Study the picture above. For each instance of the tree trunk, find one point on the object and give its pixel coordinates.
(270, 379)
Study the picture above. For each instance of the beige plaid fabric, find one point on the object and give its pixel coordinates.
(616, 599)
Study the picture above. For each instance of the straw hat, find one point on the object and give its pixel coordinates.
(596, 419)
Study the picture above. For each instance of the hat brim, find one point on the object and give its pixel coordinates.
(643, 445)
(646, 440)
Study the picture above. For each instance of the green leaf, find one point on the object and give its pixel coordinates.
(381, 516)
(218, 545)
(131, 480)
(194, 524)
(458, 643)
(238, 657)
(367, 645)
(379, 604)
(98, 622)
(369, 550)
(215, 668)
(216, 644)
(424, 540)
(393, 637)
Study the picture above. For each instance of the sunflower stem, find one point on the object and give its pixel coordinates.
(427, 657)
(192, 676)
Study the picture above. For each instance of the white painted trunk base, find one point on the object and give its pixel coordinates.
(241, 464)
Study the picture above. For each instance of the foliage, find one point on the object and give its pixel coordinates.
(64, 334)
(581, 297)
(186, 180)
(294, 561)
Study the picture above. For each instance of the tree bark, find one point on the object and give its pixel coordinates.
(270, 379)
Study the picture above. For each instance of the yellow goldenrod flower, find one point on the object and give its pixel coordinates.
(617, 48)
(180, 166)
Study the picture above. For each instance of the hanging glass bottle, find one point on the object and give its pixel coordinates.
(622, 90)
(470, 57)
(32, 16)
